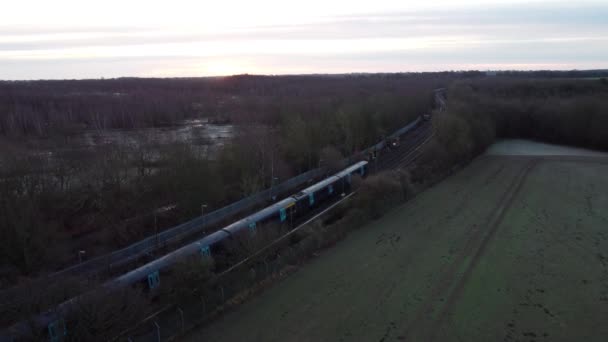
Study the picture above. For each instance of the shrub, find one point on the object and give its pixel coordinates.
(196, 270)
(378, 193)
(105, 314)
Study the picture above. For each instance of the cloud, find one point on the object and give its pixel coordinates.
(555, 33)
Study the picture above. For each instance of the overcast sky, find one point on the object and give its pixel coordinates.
(112, 38)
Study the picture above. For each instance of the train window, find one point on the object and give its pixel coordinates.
(153, 280)
(311, 199)
(252, 228)
(330, 189)
(54, 327)
(283, 214)
(362, 170)
(205, 251)
(53, 332)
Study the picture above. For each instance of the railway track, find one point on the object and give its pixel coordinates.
(411, 146)
(407, 151)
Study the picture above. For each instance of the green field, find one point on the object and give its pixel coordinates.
(508, 249)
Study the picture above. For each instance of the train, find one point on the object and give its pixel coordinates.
(286, 213)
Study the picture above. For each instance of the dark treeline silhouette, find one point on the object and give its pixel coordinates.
(59, 107)
(561, 111)
(554, 74)
(571, 112)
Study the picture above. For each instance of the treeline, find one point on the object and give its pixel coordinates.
(568, 112)
(539, 74)
(47, 108)
(54, 204)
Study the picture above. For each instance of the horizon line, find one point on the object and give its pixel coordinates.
(310, 74)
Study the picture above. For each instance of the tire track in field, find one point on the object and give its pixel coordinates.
(495, 221)
(474, 248)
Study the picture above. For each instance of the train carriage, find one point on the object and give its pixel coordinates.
(360, 169)
(215, 244)
(312, 196)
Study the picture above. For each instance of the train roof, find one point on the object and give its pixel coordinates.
(406, 129)
(351, 169)
(258, 216)
(329, 180)
(396, 134)
(317, 186)
(142, 272)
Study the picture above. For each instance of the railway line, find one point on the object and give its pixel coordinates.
(410, 147)
(407, 151)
